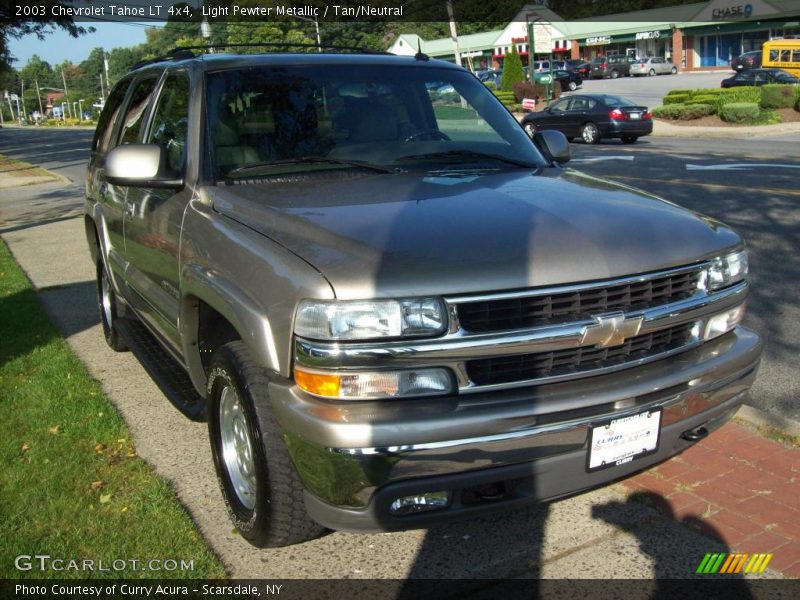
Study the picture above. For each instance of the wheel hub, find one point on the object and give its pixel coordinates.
(237, 448)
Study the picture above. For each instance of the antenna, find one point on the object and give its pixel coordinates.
(420, 55)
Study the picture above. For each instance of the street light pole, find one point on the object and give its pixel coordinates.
(80, 108)
(316, 28)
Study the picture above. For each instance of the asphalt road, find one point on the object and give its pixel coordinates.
(597, 534)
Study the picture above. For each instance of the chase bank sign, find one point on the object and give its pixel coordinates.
(735, 11)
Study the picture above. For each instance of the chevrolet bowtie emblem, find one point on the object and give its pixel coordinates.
(611, 329)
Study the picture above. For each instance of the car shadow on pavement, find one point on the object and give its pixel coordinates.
(671, 560)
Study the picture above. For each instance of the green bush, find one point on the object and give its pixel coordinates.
(676, 99)
(512, 70)
(490, 84)
(704, 99)
(679, 92)
(739, 94)
(739, 112)
(797, 106)
(777, 96)
(668, 111)
(695, 111)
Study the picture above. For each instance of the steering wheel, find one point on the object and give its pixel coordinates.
(433, 133)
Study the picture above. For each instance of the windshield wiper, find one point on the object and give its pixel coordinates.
(310, 160)
(467, 154)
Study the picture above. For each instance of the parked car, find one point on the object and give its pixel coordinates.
(569, 81)
(592, 117)
(759, 77)
(392, 307)
(581, 67)
(611, 66)
(544, 65)
(748, 60)
(655, 65)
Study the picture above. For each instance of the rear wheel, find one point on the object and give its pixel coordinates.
(674, 70)
(107, 305)
(572, 86)
(629, 139)
(651, 72)
(590, 133)
(260, 486)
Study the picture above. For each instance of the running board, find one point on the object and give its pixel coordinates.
(171, 378)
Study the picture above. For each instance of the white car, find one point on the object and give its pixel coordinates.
(652, 66)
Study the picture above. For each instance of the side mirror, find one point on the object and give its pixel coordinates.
(139, 165)
(554, 144)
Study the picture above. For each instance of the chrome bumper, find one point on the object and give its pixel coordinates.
(350, 455)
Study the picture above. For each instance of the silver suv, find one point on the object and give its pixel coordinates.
(391, 306)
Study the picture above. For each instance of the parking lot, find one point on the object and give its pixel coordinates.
(748, 183)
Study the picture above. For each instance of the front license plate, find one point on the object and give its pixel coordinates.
(622, 440)
(635, 115)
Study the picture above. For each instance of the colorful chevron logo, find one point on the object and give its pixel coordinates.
(733, 563)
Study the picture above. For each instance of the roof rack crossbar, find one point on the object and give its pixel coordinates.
(279, 45)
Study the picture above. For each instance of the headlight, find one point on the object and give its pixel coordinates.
(364, 320)
(727, 270)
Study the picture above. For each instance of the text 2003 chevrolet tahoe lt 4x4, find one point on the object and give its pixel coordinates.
(393, 307)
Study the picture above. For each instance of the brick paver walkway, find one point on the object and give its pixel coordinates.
(736, 486)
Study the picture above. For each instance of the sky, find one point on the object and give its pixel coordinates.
(60, 46)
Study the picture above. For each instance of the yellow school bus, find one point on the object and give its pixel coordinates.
(782, 54)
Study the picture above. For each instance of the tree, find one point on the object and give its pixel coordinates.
(512, 70)
(13, 26)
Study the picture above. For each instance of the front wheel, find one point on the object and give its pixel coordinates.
(614, 74)
(572, 86)
(107, 305)
(590, 133)
(261, 489)
(629, 139)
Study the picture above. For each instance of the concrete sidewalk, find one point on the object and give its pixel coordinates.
(637, 529)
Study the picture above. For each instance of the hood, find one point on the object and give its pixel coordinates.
(409, 234)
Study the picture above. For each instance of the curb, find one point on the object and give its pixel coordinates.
(760, 418)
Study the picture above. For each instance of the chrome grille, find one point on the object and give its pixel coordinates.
(522, 367)
(575, 305)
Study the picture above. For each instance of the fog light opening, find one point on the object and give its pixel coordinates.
(420, 503)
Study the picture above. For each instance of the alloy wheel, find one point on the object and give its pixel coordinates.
(237, 447)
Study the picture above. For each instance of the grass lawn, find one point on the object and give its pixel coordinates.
(19, 170)
(71, 485)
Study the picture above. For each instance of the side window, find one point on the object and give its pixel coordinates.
(134, 113)
(796, 55)
(773, 55)
(102, 135)
(560, 106)
(170, 122)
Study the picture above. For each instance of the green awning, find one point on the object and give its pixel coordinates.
(741, 27)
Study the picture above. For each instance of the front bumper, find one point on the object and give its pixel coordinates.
(356, 458)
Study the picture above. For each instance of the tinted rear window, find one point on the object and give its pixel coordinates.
(617, 101)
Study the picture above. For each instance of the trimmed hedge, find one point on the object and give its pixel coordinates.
(683, 112)
(704, 99)
(676, 99)
(739, 112)
(739, 94)
(673, 92)
(490, 84)
(775, 95)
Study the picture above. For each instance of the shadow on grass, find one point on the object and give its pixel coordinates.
(23, 326)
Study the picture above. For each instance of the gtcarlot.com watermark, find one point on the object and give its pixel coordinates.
(45, 563)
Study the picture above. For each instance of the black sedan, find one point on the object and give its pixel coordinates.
(748, 60)
(760, 77)
(592, 117)
(568, 80)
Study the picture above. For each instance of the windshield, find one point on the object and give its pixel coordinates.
(309, 117)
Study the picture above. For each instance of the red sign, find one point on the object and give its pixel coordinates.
(519, 40)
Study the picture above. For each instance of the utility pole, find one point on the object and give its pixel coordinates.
(105, 66)
(66, 93)
(102, 91)
(453, 33)
(22, 93)
(39, 96)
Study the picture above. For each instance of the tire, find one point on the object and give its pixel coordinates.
(651, 73)
(674, 71)
(572, 86)
(261, 488)
(590, 133)
(107, 307)
(530, 129)
(570, 139)
(629, 139)
(614, 74)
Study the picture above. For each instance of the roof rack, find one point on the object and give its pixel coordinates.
(358, 49)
